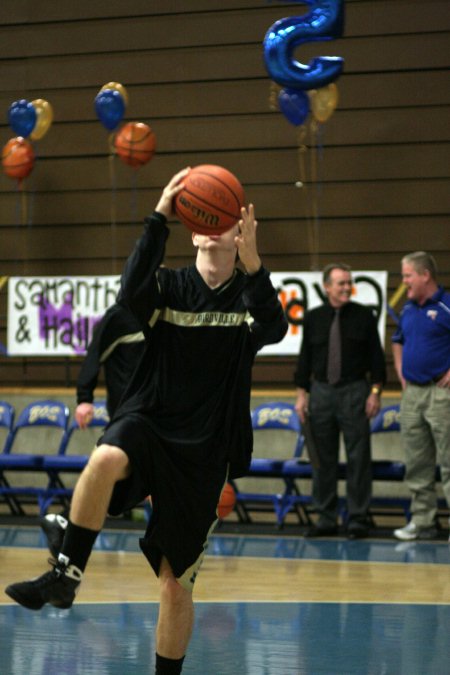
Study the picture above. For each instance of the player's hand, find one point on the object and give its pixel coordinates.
(84, 414)
(173, 187)
(246, 240)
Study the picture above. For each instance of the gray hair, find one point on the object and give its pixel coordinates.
(422, 261)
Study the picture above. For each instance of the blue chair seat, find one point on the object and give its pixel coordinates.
(293, 468)
(266, 467)
(68, 463)
(388, 470)
(19, 462)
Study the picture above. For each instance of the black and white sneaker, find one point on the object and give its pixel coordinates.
(57, 587)
(54, 527)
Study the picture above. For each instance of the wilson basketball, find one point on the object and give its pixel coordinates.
(18, 158)
(211, 200)
(227, 501)
(135, 144)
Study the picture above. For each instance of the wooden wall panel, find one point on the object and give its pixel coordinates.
(194, 72)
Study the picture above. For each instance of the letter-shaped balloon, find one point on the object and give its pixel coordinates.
(325, 21)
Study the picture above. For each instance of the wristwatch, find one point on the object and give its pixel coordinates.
(375, 390)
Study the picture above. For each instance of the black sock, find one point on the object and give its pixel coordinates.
(77, 544)
(166, 666)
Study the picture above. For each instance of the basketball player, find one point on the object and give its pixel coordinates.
(184, 425)
(116, 346)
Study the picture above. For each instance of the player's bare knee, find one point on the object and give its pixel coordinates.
(110, 461)
(171, 592)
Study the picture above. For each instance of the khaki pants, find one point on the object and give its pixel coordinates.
(425, 426)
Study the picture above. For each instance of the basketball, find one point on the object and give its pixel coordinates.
(18, 158)
(211, 201)
(135, 144)
(227, 501)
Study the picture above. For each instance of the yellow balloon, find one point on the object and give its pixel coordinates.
(324, 102)
(116, 86)
(44, 118)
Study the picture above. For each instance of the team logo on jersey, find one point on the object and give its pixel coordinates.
(432, 313)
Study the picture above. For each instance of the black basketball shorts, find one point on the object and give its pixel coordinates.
(184, 492)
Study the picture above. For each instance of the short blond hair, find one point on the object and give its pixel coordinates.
(421, 261)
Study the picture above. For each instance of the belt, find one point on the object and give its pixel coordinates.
(427, 384)
(342, 383)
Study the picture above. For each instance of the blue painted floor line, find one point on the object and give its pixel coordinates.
(369, 550)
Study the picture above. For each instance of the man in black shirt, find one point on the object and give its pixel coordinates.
(342, 366)
(184, 425)
(117, 345)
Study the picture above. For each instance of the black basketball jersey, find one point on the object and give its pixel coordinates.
(117, 345)
(194, 380)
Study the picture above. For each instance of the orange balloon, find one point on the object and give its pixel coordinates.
(116, 86)
(227, 501)
(44, 118)
(18, 158)
(324, 102)
(135, 144)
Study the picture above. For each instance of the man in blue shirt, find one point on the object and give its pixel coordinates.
(421, 349)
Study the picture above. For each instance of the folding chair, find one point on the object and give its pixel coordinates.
(47, 421)
(388, 421)
(73, 454)
(277, 416)
(7, 414)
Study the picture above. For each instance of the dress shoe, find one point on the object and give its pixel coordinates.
(357, 530)
(316, 531)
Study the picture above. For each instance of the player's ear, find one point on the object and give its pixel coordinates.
(194, 239)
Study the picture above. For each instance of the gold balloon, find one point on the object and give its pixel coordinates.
(324, 102)
(116, 86)
(44, 118)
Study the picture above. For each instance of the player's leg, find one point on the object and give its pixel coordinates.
(92, 494)
(175, 619)
(54, 527)
(93, 490)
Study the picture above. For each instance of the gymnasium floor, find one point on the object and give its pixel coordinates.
(265, 605)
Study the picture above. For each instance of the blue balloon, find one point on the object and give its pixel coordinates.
(324, 22)
(294, 105)
(22, 117)
(110, 108)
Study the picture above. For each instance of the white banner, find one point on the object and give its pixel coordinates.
(300, 291)
(55, 316)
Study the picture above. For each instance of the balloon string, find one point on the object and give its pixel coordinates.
(134, 197)
(315, 200)
(23, 223)
(29, 196)
(302, 155)
(113, 214)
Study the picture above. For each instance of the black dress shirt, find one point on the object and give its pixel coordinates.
(362, 354)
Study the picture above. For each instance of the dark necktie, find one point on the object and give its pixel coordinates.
(334, 351)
